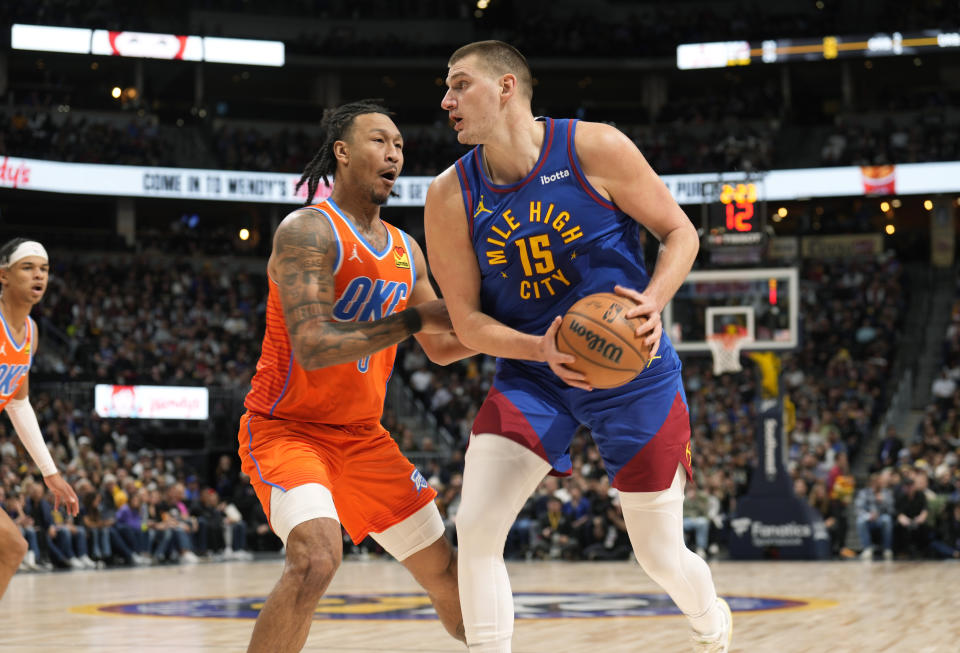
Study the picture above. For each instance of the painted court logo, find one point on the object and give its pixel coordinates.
(404, 606)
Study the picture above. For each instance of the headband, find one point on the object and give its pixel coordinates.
(28, 248)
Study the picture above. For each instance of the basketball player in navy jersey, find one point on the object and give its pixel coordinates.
(541, 213)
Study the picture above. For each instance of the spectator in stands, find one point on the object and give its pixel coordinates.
(180, 522)
(696, 517)
(555, 535)
(889, 450)
(98, 528)
(66, 542)
(577, 508)
(225, 476)
(133, 529)
(258, 528)
(946, 543)
(874, 507)
(943, 388)
(911, 531)
(221, 532)
(833, 512)
(603, 540)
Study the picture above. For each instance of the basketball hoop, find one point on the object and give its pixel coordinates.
(725, 348)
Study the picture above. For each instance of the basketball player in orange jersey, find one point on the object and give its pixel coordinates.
(344, 288)
(540, 214)
(23, 276)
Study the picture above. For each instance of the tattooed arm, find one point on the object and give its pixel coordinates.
(304, 252)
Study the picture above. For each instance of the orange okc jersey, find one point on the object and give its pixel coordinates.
(369, 285)
(15, 359)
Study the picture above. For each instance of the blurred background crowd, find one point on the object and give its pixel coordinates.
(180, 301)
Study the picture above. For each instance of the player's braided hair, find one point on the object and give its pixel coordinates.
(335, 125)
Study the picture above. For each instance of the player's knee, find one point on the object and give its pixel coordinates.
(312, 567)
(12, 551)
(479, 529)
(312, 571)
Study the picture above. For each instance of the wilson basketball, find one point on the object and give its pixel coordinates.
(597, 333)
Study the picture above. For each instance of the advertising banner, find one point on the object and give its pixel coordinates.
(151, 401)
(278, 187)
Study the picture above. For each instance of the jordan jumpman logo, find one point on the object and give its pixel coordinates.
(355, 256)
(481, 208)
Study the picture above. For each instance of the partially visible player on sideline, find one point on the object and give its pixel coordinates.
(344, 288)
(24, 268)
(541, 213)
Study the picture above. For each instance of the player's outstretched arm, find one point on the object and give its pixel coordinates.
(24, 421)
(301, 264)
(615, 167)
(441, 348)
(455, 267)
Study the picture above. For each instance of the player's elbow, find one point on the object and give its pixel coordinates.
(309, 353)
(441, 359)
(446, 352)
(684, 238)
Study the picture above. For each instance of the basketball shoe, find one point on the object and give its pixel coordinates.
(717, 642)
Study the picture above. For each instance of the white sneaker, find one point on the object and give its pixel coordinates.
(887, 554)
(701, 553)
(30, 562)
(189, 558)
(76, 564)
(867, 554)
(717, 642)
(88, 562)
(242, 554)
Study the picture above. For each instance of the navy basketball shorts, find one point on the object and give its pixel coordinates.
(642, 429)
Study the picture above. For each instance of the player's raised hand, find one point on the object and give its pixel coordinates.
(434, 317)
(652, 327)
(558, 361)
(62, 492)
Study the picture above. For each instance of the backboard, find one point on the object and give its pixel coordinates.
(762, 301)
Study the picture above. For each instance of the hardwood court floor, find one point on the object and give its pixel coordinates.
(857, 607)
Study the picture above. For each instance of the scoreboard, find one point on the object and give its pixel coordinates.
(733, 220)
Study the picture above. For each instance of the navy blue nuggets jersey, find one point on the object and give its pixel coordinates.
(542, 244)
(549, 239)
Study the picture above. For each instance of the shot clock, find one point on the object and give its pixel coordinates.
(733, 227)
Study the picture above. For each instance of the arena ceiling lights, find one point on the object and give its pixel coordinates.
(693, 56)
(147, 45)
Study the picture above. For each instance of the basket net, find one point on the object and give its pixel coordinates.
(725, 348)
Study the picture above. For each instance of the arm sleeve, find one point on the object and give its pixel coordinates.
(24, 420)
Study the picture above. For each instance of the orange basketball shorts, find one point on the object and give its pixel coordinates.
(373, 484)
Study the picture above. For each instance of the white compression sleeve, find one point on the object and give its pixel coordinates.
(24, 420)
(655, 525)
(498, 476)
